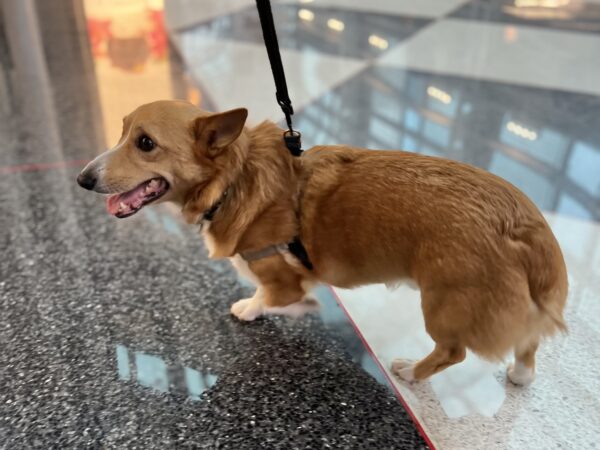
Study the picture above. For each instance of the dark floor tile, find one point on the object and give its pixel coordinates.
(117, 334)
(334, 31)
(556, 14)
(545, 142)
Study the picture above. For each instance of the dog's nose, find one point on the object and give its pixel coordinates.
(87, 180)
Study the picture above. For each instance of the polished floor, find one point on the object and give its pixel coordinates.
(117, 334)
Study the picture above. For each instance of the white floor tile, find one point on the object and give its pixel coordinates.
(418, 8)
(471, 405)
(509, 53)
(238, 74)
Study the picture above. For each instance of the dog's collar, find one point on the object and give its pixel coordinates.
(209, 214)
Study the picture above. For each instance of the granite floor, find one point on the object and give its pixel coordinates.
(116, 334)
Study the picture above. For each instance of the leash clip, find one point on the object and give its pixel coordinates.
(293, 142)
(292, 139)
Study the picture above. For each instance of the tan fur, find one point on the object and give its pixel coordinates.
(491, 273)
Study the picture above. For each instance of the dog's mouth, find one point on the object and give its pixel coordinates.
(128, 203)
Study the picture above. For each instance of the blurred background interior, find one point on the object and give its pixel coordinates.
(116, 333)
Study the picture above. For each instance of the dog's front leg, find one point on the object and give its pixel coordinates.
(280, 300)
(280, 290)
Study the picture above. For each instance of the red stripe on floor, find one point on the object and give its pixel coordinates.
(414, 418)
(38, 167)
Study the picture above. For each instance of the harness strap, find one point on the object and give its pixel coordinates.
(254, 255)
(292, 138)
(295, 248)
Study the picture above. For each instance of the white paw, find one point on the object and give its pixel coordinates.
(247, 309)
(520, 374)
(298, 309)
(404, 369)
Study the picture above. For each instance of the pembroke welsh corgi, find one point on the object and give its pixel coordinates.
(491, 273)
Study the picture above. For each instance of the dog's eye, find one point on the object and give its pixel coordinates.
(145, 143)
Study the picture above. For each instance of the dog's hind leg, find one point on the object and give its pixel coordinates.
(290, 301)
(442, 357)
(445, 331)
(522, 371)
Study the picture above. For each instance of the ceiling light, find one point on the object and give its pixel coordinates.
(377, 41)
(306, 14)
(439, 94)
(521, 131)
(336, 24)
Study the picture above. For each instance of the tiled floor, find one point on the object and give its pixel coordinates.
(118, 333)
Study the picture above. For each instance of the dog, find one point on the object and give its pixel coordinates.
(491, 273)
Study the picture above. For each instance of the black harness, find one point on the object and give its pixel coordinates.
(295, 247)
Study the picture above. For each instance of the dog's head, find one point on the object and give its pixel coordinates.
(167, 150)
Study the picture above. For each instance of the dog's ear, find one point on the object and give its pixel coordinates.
(217, 131)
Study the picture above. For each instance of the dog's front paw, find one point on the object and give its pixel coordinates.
(247, 309)
(404, 369)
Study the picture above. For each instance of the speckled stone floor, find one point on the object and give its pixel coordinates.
(116, 334)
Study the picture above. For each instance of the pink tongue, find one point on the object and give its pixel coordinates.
(132, 200)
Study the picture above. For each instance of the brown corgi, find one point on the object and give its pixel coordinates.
(491, 273)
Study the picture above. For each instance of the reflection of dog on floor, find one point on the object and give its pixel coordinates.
(491, 274)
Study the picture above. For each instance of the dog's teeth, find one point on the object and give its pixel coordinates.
(122, 206)
(153, 183)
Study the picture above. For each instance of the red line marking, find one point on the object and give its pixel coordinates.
(39, 167)
(420, 427)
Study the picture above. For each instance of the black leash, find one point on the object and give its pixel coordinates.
(291, 136)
